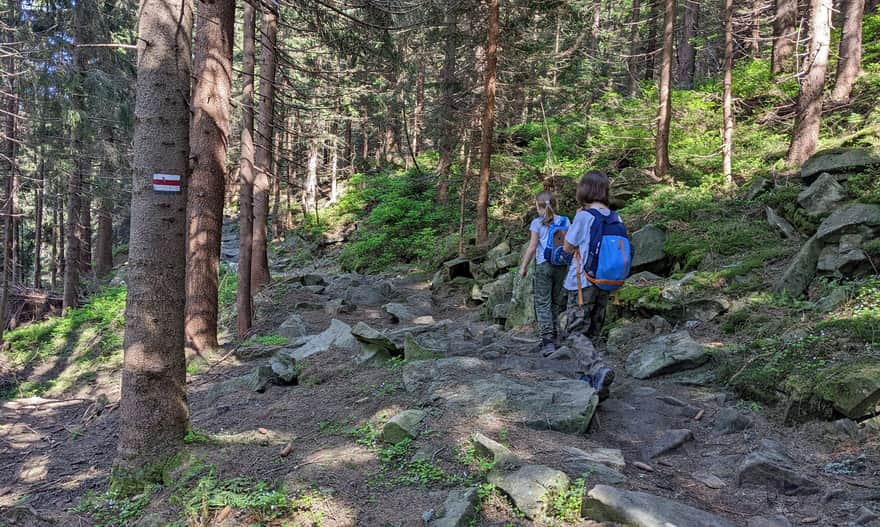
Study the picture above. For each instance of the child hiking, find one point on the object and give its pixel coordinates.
(594, 225)
(545, 246)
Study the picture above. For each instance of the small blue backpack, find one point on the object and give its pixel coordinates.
(608, 262)
(553, 252)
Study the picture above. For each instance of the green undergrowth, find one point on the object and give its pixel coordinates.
(71, 348)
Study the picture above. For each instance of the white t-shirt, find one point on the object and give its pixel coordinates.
(579, 236)
(543, 232)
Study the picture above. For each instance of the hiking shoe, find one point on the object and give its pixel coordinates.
(548, 348)
(601, 382)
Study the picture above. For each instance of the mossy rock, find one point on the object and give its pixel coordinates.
(853, 389)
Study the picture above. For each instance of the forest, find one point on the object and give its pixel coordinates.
(272, 262)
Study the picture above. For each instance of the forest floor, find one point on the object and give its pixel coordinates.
(56, 453)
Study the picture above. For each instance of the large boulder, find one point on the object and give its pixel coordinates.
(469, 384)
(822, 196)
(666, 354)
(771, 466)
(609, 504)
(853, 389)
(837, 161)
(338, 335)
(496, 293)
(459, 508)
(855, 218)
(293, 327)
(801, 270)
(375, 345)
(405, 425)
(522, 306)
(628, 184)
(647, 248)
(845, 259)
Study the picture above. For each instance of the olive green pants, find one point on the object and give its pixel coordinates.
(549, 297)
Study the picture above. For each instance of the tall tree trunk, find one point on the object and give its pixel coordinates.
(209, 137)
(784, 36)
(334, 163)
(754, 41)
(349, 149)
(809, 105)
(664, 115)
(687, 52)
(153, 409)
(488, 124)
(277, 154)
(446, 141)
(263, 153)
(650, 49)
(9, 152)
(85, 223)
(62, 239)
(310, 189)
(727, 139)
(244, 300)
(38, 223)
(595, 27)
(632, 82)
(849, 65)
(53, 260)
(418, 111)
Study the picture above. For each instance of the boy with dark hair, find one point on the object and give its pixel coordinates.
(585, 312)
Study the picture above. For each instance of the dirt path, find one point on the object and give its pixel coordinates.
(689, 444)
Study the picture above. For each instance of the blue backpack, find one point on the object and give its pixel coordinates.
(608, 262)
(553, 252)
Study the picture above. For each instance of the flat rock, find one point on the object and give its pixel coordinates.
(413, 351)
(531, 487)
(338, 305)
(770, 466)
(781, 224)
(865, 516)
(372, 294)
(801, 270)
(710, 480)
(611, 457)
(666, 354)
(839, 160)
(459, 508)
(375, 345)
(769, 521)
(647, 247)
(855, 218)
(706, 309)
(402, 312)
(555, 402)
(822, 196)
(338, 335)
(609, 504)
(402, 426)
(669, 441)
(730, 421)
(494, 451)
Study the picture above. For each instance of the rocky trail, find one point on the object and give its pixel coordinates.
(487, 432)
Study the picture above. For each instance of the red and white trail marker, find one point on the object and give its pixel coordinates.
(166, 183)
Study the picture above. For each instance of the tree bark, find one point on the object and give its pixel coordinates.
(809, 105)
(632, 82)
(85, 222)
(263, 152)
(38, 223)
(209, 137)
(418, 111)
(650, 49)
(446, 141)
(153, 408)
(595, 27)
(488, 124)
(849, 65)
(727, 139)
(104, 252)
(754, 41)
(784, 36)
(9, 153)
(664, 115)
(244, 305)
(687, 52)
(53, 260)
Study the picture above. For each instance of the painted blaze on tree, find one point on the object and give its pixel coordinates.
(154, 413)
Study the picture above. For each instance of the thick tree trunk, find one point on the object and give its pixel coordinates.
(809, 105)
(754, 41)
(488, 125)
(263, 152)
(632, 82)
(727, 139)
(664, 115)
(849, 65)
(334, 164)
(62, 239)
(85, 223)
(784, 36)
(687, 52)
(595, 27)
(38, 224)
(244, 305)
(209, 137)
(310, 189)
(650, 49)
(53, 260)
(418, 111)
(446, 141)
(153, 409)
(349, 149)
